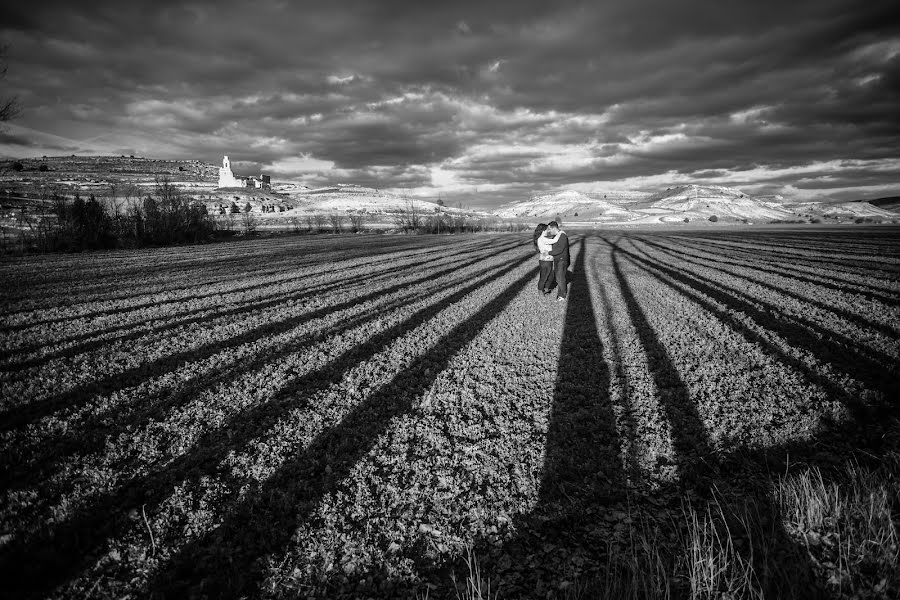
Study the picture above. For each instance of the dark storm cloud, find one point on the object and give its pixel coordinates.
(21, 140)
(528, 94)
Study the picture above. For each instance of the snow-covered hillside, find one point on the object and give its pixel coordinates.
(567, 204)
(352, 198)
(849, 210)
(675, 204)
(704, 201)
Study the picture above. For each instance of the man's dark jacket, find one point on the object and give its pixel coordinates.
(560, 250)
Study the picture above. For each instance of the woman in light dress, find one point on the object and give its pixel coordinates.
(543, 244)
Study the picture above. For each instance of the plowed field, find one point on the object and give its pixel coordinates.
(349, 416)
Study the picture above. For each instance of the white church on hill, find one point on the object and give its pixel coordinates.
(228, 180)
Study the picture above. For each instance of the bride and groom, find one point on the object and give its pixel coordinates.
(552, 244)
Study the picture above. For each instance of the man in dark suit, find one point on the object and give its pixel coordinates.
(560, 254)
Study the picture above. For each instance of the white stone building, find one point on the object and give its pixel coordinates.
(228, 180)
(226, 177)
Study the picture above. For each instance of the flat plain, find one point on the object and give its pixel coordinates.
(376, 416)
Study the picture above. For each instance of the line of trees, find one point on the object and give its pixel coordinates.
(127, 216)
(124, 217)
(409, 220)
(413, 220)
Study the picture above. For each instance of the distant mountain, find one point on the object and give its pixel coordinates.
(838, 210)
(704, 201)
(573, 205)
(891, 203)
(354, 198)
(675, 204)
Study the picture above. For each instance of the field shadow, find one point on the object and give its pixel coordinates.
(869, 368)
(226, 562)
(703, 262)
(21, 416)
(53, 557)
(567, 543)
(784, 569)
(582, 476)
(768, 265)
(139, 329)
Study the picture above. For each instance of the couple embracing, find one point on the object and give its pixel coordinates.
(552, 244)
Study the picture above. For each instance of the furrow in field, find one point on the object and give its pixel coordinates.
(686, 348)
(875, 270)
(85, 431)
(101, 277)
(849, 377)
(857, 245)
(306, 478)
(870, 346)
(253, 273)
(887, 292)
(863, 311)
(217, 343)
(206, 451)
(231, 300)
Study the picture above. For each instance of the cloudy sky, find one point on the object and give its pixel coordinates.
(481, 102)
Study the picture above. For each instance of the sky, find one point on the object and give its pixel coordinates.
(474, 102)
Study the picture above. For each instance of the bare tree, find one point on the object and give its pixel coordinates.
(112, 200)
(9, 107)
(409, 219)
(357, 222)
(228, 219)
(249, 222)
(337, 222)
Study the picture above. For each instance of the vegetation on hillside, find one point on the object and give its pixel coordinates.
(122, 218)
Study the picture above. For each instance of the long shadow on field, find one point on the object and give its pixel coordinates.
(39, 565)
(225, 563)
(276, 264)
(700, 467)
(701, 261)
(859, 245)
(567, 535)
(139, 330)
(766, 264)
(91, 434)
(694, 456)
(830, 348)
(583, 478)
(790, 262)
(22, 415)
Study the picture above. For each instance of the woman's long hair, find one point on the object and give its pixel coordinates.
(537, 233)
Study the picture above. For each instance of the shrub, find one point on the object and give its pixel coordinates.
(713, 218)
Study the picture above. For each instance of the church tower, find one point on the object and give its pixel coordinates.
(226, 177)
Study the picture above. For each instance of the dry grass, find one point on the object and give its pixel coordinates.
(836, 530)
(846, 526)
(474, 586)
(711, 561)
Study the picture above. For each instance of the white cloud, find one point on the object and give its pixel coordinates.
(299, 165)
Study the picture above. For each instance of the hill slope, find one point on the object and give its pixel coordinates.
(569, 204)
(354, 198)
(704, 201)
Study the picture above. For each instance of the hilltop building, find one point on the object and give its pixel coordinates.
(228, 180)
(226, 177)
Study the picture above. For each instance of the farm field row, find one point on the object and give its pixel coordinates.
(340, 416)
